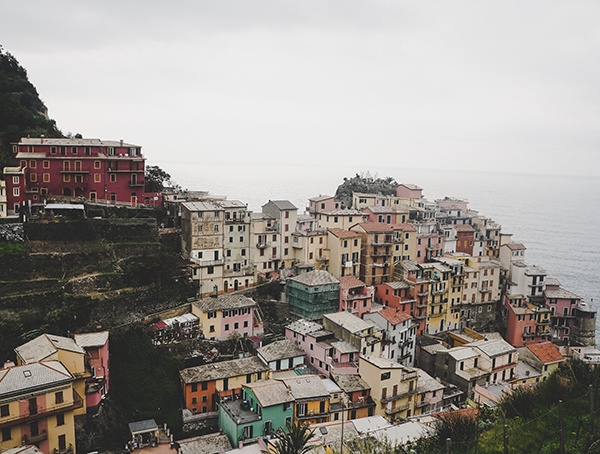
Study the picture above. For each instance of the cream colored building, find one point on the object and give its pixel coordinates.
(339, 219)
(285, 215)
(344, 252)
(393, 386)
(3, 206)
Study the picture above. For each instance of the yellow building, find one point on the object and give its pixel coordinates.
(311, 398)
(48, 347)
(393, 386)
(38, 403)
(311, 247)
(439, 314)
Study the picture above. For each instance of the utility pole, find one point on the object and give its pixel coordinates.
(505, 438)
(562, 435)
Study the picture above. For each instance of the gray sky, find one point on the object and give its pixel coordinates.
(472, 85)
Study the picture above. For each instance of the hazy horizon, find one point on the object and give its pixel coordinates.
(479, 86)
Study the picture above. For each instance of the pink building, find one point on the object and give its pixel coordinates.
(430, 241)
(526, 323)
(409, 191)
(355, 296)
(322, 204)
(562, 304)
(97, 386)
(324, 352)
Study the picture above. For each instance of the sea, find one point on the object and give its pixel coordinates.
(556, 217)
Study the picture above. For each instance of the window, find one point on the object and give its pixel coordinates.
(52, 150)
(97, 178)
(59, 398)
(62, 442)
(16, 192)
(226, 326)
(33, 177)
(204, 399)
(113, 177)
(60, 419)
(46, 164)
(204, 386)
(194, 400)
(4, 411)
(74, 150)
(210, 270)
(6, 434)
(385, 376)
(301, 409)
(236, 325)
(212, 328)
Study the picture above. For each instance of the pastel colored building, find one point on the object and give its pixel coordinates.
(97, 385)
(544, 356)
(323, 203)
(430, 241)
(393, 386)
(15, 190)
(358, 401)
(222, 316)
(526, 323)
(465, 238)
(344, 252)
(363, 335)
(339, 219)
(99, 170)
(311, 398)
(355, 296)
(430, 394)
(310, 247)
(49, 347)
(409, 191)
(324, 353)
(400, 338)
(37, 407)
(312, 294)
(204, 386)
(562, 304)
(281, 355)
(264, 408)
(285, 214)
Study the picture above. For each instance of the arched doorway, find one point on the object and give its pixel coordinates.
(225, 287)
(79, 191)
(67, 191)
(235, 285)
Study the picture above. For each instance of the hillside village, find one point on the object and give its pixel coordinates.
(391, 311)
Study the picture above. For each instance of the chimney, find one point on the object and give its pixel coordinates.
(42, 138)
(8, 364)
(121, 142)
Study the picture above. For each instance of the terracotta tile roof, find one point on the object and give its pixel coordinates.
(372, 227)
(394, 316)
(546, 352)
(341, 233)
(405, 227)
(464, 228)
(516, 246)
(348, 282)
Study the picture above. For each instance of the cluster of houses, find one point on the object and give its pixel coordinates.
(55, 383)
(402, 308)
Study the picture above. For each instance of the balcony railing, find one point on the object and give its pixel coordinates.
(33, 439)
(40, 413)
(399, 396)
(398, 409)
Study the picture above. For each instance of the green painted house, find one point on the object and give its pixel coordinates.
(265, 407)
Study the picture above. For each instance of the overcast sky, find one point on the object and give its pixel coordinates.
(475, 85)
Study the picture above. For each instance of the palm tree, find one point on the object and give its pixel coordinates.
(293, 441)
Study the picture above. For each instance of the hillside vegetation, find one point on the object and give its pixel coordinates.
(22, 111)
(364, 183)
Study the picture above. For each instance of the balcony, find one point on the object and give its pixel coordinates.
(398, 409)
(262, 245)
(205, 263)
(438, 291)
(136, 184)
(361, 403)
(423, 293)
(33, 439)
(399, 396)
(27, 418)
(67, 172)
(321, 258)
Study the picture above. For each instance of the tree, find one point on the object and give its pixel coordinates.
(156, 178)
(367, 183)
(294, 440)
